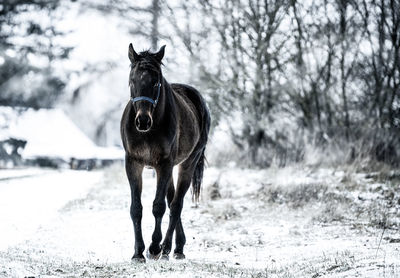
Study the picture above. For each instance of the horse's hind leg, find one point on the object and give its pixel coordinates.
(180, 238)
(186, 170)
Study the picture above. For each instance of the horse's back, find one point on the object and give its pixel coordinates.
(190, 94)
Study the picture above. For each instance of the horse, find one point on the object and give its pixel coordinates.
(162, 126)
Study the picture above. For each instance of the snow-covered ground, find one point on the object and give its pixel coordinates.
(30, 199)
(290, 222)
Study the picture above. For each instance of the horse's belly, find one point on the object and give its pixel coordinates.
(189, 128)
(186, 145)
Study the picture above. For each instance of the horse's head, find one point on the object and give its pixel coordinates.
(145, 81)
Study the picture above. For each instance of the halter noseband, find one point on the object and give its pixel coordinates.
(152, 101)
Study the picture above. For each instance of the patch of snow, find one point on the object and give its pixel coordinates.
(28, 203)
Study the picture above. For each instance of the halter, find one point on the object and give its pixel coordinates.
(152, 101)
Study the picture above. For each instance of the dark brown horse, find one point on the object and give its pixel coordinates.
(163, 125)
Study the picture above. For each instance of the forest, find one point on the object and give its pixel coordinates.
(280, 77)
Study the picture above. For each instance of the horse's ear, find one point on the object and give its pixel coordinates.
(133, 56)
(160, 54)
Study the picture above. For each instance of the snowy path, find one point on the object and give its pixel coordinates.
(275, 223)
(30, 198)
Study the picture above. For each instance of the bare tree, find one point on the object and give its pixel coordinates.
(381, 73)
(309, 75)
(246, 79)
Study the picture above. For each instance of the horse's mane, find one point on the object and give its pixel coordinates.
(148, 61)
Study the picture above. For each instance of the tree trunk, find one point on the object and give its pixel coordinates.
(154, 24)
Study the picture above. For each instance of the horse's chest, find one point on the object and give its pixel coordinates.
(148, 153)
(142, 152)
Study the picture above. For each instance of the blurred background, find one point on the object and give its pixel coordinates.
(286, 81)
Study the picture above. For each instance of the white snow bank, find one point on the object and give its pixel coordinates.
(50, 133)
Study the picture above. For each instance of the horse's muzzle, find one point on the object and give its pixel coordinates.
(143, 122)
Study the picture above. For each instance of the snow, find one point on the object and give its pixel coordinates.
(28, 203)
(50, 133)
(7, 174)
(77, 224)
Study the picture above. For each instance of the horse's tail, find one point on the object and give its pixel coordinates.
(198, 176)
(198, 171)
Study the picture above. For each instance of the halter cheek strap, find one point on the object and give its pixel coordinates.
(152, 101)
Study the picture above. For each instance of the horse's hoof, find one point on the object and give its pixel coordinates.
(164, 257)
(138, 259)
(153, 256)
(179, 256)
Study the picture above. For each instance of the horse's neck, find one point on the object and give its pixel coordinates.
(167, 104)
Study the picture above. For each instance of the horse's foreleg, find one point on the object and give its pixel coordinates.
(134, 173)
(164, 175)
(180, 238)
(185, 176)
